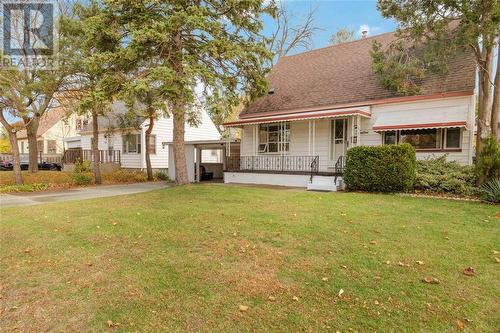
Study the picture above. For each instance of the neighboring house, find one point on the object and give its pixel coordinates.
(54, 128)
(120, 136)
(325, 101)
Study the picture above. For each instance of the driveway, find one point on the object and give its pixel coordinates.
(36, 198)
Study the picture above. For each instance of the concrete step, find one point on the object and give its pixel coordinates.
(321, 187)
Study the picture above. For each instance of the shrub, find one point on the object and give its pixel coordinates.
(124, 176)
(488, 161)
(82, 167)
(83, 178)
(439, 176)
(23, 188)
(490, 191)
(161, 175)
(59, 178)
(386, 168)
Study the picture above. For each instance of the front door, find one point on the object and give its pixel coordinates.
(338, 138)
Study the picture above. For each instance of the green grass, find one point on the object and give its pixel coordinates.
(185, 258)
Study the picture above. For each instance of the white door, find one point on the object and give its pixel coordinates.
(338, 138)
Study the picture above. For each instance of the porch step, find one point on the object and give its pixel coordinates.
(322, 183)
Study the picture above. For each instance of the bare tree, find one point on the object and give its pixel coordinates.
(343, 35)
(287, 36)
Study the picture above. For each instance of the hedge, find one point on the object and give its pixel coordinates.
(386, 168)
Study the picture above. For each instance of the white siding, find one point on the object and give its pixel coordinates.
(163, 129)
(299, 132)
(462, 104)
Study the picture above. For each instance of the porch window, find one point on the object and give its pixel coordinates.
(390, 138)
(51, 147)
(39, 146)
(132, 144)
(274, 138)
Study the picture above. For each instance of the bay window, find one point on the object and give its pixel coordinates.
(274, 138)
(426, 139)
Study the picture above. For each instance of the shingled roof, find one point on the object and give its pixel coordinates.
(342, 75)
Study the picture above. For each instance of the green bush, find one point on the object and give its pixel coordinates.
(488, 161)
(161, 175)
(386, 168)
(83, 178)
(82, 167)
(439, 176)
(490, 191)
(124, 176)
(23, 188)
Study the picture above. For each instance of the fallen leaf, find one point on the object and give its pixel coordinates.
(495, 252)
(114, 223)
(373, 242)
(295, 298)
(341, 291)
(271, 298)
(469, 271)
(342, 214)
(376, 302)
(111, 324)
(419, 262)
(387, 262)
(460, 324)
(325, 279)
(402, 264)
(431, 280)
(344, 266)
(497, 260)
(243, 308)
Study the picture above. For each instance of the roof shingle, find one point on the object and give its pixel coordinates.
(342, 74)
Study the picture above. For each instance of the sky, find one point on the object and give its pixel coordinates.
(331, 15)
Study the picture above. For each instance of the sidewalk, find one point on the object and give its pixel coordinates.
(36, 198)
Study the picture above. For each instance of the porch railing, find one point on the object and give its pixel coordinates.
(105, 156)
(278, 163)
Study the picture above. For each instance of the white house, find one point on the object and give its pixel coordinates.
(55, 127)
(126, 142)
(322, 102)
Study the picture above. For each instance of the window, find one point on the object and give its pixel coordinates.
(452, 138)
(51, 147)
(274, 138)
(152, 144)
(132, 144)
(390, 138)
(39, 146)
(421, 139)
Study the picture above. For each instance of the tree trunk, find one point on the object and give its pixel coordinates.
(485, 62)
(148, 147)
(95, 148)
(181, 174)
(495, 109)
(16, 161)
(31, 131)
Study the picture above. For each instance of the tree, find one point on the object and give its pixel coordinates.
(443, 27)
(287, 37)
(11, 130)
(97, 43)
(29, 90)
(216, 44)
(343, 35)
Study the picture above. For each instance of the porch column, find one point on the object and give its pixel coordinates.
(198, 164)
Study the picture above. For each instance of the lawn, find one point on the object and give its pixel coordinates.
(242, 259)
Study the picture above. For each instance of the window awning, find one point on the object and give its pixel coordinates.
(362, 111)
(419, 119)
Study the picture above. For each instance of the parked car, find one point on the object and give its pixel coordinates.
(8, 165)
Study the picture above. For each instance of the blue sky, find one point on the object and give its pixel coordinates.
(333, 14)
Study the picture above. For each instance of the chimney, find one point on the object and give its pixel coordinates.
(364, 34)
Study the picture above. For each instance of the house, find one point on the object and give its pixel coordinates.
(56, 125)
(322, 102)
(122, 139)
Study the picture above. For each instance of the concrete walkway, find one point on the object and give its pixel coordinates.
(36, 198)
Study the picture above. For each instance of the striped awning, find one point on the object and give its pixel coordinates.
(420, 119)
(363, 112)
